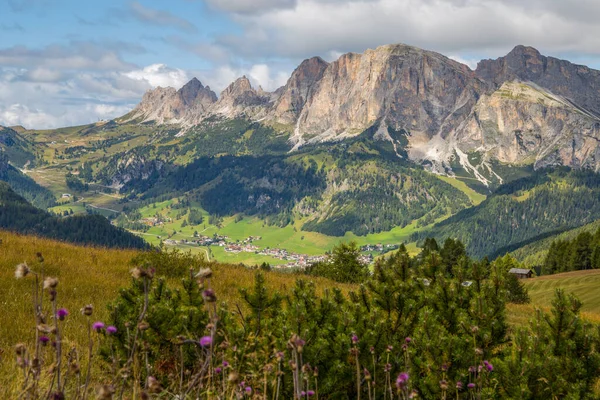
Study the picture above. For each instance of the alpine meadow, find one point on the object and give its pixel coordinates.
(234, 199)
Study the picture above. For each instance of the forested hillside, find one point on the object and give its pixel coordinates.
(17, 215)
(524, 210)
(24, 185)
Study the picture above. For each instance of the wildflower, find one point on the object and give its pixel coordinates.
(62, 313)
(474, 329)
(280, 355)
(389, 348)
(372, 350)
(205, 341)
(153, 385)
(204, 273)
(354, 338)
(444, 367)
(367, 374)
(58, 396)
(44, 340)
(98, 326)
(46, 328)
(248, 390)
(209, 296)
(489, 367)
(22, 271)
(111, 330)
(408, 340)
(106, 392)
(459, 385)
(225, 364)
(310, 393)
(471, 385)
(50, 283)
(472, 369)
(20, 349)
(388, 367)
(87, 310)
(444, 384)
(402, 380)
(138, 273)
(218, 370)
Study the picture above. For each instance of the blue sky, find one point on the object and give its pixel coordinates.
(65, 62)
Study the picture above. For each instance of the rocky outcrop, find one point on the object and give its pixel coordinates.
(167, 105)
(240, 99)
(412, 89)
(292, 97)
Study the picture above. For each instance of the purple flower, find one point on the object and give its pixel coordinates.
(44, 340)
(402, 380)
(97, 326)
(489, 367)
(354, 339)
(248, 389)
(459, 385)
(472, 369)
(303, 393)
(408, 340)
(218, 370)
(111, 330)
(225, 364)
(444, 367)
(62, 313)
(310, 393)
(205, 341)
(471, 385)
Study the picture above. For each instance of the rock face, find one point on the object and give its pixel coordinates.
(408, 88)
(167, 105)
(523, 108)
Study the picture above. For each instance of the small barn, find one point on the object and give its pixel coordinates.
(521, 273)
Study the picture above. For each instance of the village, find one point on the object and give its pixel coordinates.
(295, 260)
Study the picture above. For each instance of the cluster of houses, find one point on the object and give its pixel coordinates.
(153, 221)
(379, 247)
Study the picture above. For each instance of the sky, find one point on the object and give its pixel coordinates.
(71, 62)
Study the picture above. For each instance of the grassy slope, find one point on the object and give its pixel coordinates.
(475, 197)
(535, 253)
(87, 276)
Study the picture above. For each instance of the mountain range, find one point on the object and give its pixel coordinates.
(523, 108)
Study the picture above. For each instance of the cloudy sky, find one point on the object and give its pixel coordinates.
(67, 62)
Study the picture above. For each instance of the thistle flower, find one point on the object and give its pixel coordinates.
(489, 367)
(205, 341)
(87, 310)
(111, 330)
(310, 393)
(44, 340)
(471, 386)
(98, 326)
(402, 380)
(218, 370)
(58, 396)
(459, 385)
(225, 364)
(50, 283)
(138, 273)
(22, 271)
(62, 313)
(354, 338)
(444, 384)
(248, 390)
(204, 273)
(407, 340)
(209, 296)
(444, 367)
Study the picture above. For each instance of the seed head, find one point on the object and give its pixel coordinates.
(39, 257)
(142, 326)
(22, 271)
(105, 392)
(444, 384)
(138, 273)
(50, 283)
(154, 385)
(20, 349)
(43, 328)
(87, 310)
(204, 273)
(233, 377)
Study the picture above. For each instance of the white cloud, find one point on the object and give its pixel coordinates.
(160, 75)
(160, 17)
